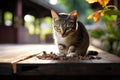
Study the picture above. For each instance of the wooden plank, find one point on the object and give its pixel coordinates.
(6, 69)
(66, 69)
(14, 53)
(108, 65)
(35, 66)
(105, 56)
(21, 58)
(34, 61)
(10, 54)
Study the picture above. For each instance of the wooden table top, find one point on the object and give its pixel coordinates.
(13, 53)
(19, 56)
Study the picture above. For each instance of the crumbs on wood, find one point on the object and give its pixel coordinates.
(52, 56)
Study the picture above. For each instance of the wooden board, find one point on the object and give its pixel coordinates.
(10, 54)
(68, 68)
(14, 53)
(20, 59)
(6, 69)
(107, 65)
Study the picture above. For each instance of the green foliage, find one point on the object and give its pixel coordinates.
(80, 5)
(46, 28)
(30, 23)
(8, 16)
(106, 45)
(107, 18)
(37, 26)
(111, 16)
(88, 21)
(112, 29)
(111, 10)
(97, 33)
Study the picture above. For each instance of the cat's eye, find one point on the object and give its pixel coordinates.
(71, 22)
(67, 28)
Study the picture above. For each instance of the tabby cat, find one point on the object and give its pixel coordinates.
(70, 34)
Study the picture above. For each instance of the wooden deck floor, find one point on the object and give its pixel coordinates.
(14, 59)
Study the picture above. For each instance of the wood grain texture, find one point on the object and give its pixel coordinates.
(22, 60)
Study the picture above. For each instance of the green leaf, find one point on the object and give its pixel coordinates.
(111, 10)
(97, 33)
(109, 17)
(111, 31)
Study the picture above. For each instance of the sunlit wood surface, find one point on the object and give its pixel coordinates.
(13, 53)
(14, 57)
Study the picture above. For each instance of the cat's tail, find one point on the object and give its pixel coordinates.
(92, 53)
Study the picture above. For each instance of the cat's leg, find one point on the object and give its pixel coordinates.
(61, 49)
(71, 51)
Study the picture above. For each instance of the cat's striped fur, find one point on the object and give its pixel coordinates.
(70, 34)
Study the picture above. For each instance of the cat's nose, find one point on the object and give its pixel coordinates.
(63, 34)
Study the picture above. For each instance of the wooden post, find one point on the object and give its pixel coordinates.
(18, 21)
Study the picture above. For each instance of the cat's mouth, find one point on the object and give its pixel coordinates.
(63, 33)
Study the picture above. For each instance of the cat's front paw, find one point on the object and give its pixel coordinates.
(72, 54)
(60, 54)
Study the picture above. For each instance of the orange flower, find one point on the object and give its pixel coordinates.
(102, 2)
(96, 15)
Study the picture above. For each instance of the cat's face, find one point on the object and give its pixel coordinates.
(65, 24)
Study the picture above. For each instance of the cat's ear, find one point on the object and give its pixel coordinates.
(55, 15)
(74, 15)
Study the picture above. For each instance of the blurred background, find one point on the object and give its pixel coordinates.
(30, 22)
